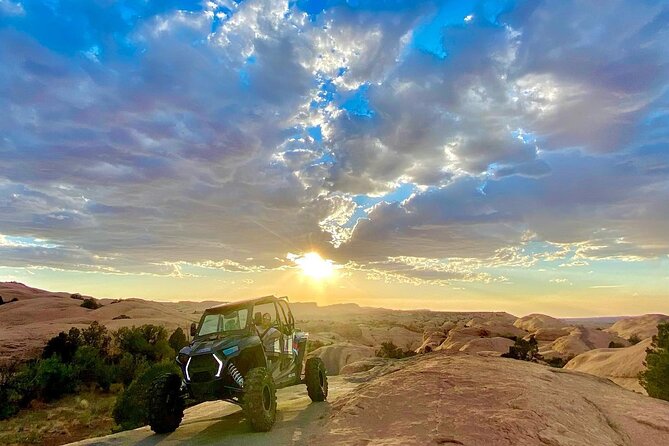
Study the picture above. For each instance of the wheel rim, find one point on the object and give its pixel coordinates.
(266, 399)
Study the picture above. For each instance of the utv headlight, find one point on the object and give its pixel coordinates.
(231, 350)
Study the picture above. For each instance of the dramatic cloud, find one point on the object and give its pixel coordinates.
(412, 140)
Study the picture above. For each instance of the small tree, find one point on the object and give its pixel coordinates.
(523, 350)
(90, 303)
(178, 340)
(655, 379)
(390, 350)
(54, 379)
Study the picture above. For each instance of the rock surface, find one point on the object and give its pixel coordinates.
(338, 355)
(642, 326)
(468, 400)
(536, 321)
(620, 365)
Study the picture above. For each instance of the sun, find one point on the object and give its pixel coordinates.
(313, 265)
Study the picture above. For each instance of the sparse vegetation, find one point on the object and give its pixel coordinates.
(120, 316)
(76, 296)
(90, 303)
(523, 350)
(178, 339)
(655, 379)
(390, 350)
(634, 339)
(558, 362)
(91, 360)
(614, 344)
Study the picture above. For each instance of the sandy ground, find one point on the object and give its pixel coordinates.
(215, 423)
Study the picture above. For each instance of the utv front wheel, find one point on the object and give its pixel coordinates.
(260, 399)
(316, 378)
(166, 405)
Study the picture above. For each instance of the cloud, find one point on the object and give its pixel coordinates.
(155, 135)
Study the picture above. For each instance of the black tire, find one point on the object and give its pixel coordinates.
(316, 378)
(259, 401)
(166, 404)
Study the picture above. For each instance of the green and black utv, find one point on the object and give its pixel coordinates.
(241, 352)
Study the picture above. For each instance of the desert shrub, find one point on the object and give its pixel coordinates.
(54, 379)
(10, 399)
(90, 303)
(130, 366)
(483, 333)
(120, 316)
(177, 340)
(76, 296)
(614, 344)
(634, 339)
(64, 345)
(130, 410)
(655, 379)
(149, 341)
(91, 368)
(558, 362)
(97, 336)
(390, 350)
(523, 350)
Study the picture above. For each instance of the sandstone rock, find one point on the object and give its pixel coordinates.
(496, 344)
(533, 322)
(641, 326)
(336, 356)
(620, 365)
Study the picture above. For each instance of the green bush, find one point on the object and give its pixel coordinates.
(54, 378)
(64, 345)
(91, 368)
(655, 379)
(178, 340)
(9, 398)
(131, 409)
(634, 339)
(390, 350)
(149, 341)
(90, 303)
(523, 350)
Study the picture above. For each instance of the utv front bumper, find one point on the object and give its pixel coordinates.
(212, 376)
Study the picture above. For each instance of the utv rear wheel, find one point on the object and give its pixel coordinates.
(316, 378)
(260, 399)
(166, 405)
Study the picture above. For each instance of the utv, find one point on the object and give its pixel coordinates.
(241, 352)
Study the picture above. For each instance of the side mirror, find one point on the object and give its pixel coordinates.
(193, 329)
(257, 319)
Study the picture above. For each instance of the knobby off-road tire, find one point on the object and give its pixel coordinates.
(316, 378)
(259, 402)
(166, 405)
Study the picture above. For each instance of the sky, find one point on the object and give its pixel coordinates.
(453, 155)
